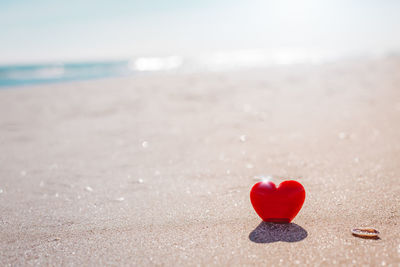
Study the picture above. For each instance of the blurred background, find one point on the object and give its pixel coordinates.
(46, 41)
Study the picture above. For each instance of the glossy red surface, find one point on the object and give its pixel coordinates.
(277, 204)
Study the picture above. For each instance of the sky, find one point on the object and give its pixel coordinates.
(34, 31)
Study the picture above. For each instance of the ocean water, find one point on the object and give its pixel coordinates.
(17, 75)
(20, 75)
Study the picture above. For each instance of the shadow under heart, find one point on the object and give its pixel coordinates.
(267, 232)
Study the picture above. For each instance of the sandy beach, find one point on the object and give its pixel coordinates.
(156, 169)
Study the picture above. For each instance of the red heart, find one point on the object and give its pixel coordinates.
(277, 204)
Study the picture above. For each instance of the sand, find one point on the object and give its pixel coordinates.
(156, 169)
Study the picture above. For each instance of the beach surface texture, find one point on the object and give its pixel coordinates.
(156, 169)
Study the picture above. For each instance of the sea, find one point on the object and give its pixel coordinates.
(34, 74)
(19, 75)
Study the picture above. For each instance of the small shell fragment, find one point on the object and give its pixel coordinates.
(365, 232)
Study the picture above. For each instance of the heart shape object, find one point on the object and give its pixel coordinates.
(277, 204)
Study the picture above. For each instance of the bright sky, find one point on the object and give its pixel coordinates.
(55, 30)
